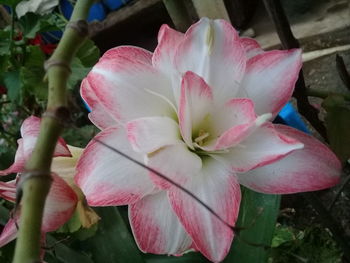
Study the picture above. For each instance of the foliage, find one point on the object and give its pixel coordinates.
(314, 244)
(337, 123)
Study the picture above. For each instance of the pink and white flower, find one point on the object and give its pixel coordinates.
(64, 197)
(198, 110)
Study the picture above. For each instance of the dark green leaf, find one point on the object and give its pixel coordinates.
(11, 3)
(13, 84)
(32, 73)
(4, 42)
(88, 53)
(338, 124)
(112, 242)
(65, 254)
(282, 235)
(30, 24)
(4, 213)
(257, 218)
(79, 71)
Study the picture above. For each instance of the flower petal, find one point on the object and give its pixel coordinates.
(60, 204)
(148, 134)
(218, 189)
(194, 106)
(65, 167)
(8, 190)
(251, 47)
(20, 161)
(9, 232)
(211, 49)
(156, 228)
(98, 115)
(312, 168)
(175, 162)
(107, 178)
(263, 147)
(128, 86)
(163, 56)
(270, 79)
(30, 130)
(233, 123)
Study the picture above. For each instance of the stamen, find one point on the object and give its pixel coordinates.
(202, 137)
(262, 119)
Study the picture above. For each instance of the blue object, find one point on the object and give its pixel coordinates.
(114, 4)
(52, 37)
(289, 116)
(86, 106)
(97, 11)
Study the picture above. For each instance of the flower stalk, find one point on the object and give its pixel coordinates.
(36, 180)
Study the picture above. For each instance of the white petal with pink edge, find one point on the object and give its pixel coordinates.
(98, 115)
(234, 121)
(9, 232)
(175, 162)
(126, 84)
(148, 134)
(219, 189)
(312, 168)
(156, 228)
(105, 177)
(195, 105)
(211, 49)
(265, 145)
(8, 190)
(30, 130)
(270, 78)
(19, 162)
(163, 56)
(60, 204)
(251, 47)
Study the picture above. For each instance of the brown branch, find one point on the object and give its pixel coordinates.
(342, 71)
(280, 20)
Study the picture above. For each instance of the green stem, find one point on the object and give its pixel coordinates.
(179, 14)
(35, 189)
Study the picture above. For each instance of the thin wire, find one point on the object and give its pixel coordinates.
(170, 181)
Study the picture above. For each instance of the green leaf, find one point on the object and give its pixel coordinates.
(88, 53)
(11, 3)
(65, 254)
(282, 235)
(257, 219)
(72, 225)
(338, 124)
(112, 242)
(4, 213)
(13, 84)
(5, 42)
(30, 24)
(79, 71)
(32, 73)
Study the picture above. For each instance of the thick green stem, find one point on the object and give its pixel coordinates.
(36, 188)
(179, 14)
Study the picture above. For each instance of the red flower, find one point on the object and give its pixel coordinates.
(46, 48)
(3, 90)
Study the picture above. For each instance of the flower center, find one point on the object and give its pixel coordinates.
(202, 135)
